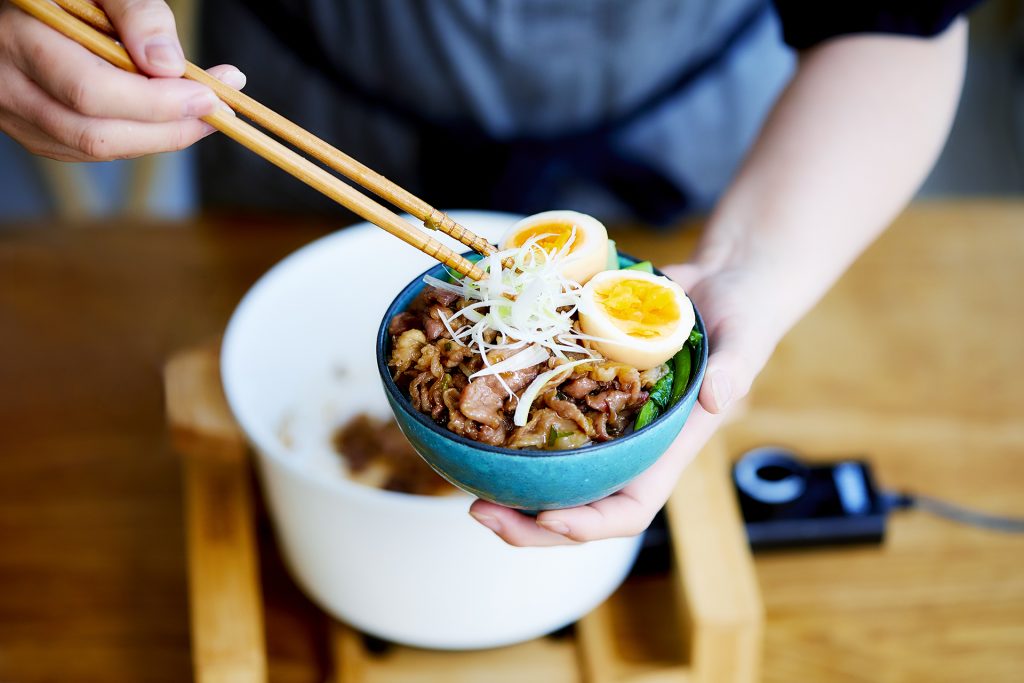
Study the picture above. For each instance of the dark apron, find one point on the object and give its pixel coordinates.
(460, 164)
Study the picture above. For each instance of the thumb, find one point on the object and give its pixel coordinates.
(732, 368)
(146, 27)
(686, 275)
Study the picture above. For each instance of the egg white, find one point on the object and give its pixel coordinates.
(617, 345)
(589, 253)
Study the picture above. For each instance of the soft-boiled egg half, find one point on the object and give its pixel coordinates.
(641, 319)
(588, 252)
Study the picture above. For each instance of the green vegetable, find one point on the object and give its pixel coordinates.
(685, 364)
(644, 266)
(554, 435)
(681, 364)
(656, 401)
(662, 389)
(646, 415)
(613, 256)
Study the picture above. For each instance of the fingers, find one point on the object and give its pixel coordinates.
(229, 75)
(732, 366)
(686, 275)
(61, 101)
(630, 511)
(34, 140)
(97, 139)
(87, 84)
(626, 513)
(621, 514)
(147, 29)
(84, 138)
(513, 527)
(726, 378)
(739, 330)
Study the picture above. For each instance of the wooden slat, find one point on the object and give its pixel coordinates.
(715, 585)
(547, 660)
(718, 585)
(226, 613)
(603, 644)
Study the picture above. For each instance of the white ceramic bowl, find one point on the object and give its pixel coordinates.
(297, 360)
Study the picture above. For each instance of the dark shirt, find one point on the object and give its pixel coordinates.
(620, 108)
(806, 24)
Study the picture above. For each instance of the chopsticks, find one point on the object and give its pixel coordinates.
(72, 24)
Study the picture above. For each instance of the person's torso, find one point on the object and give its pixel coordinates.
(525, 68)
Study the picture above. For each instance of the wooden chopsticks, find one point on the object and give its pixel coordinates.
(71, 21)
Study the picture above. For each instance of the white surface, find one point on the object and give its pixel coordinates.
(298, 359)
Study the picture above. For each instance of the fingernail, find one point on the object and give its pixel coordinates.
(236, 79)
(491, 523)
(721, 389)
(210, 130)
(200, 105)
(163, 53)
(555, 525)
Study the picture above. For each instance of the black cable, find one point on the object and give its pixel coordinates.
(956, 513)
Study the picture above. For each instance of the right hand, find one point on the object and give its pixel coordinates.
(61, 101)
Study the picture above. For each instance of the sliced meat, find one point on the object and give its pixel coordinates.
(406, 350)
(579, 387)
(462, 425)
(425, 393)
(378, 454)
(482, 403)
(432, 323)
(433, 327)
(610, 402)
(601, 428)
(569, 411)
(402, 322)
(441, 296)
(495, 436)
(453, 354)
(430, 359)
(517, 380)
(627, 377)
(534, 434)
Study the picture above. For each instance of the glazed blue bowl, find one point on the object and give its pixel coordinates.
(532, 480)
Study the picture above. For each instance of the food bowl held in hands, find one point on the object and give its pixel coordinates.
(532, 480)
(297, 362)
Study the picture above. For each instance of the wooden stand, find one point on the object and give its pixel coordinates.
(701, 623)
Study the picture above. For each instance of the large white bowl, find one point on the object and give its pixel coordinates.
(298, 359)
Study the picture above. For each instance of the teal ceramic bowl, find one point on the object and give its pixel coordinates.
(528, 479)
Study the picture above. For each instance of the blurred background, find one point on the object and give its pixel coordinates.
(984, 154)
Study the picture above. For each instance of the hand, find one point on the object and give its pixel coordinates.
(61, 101)
(737, 316)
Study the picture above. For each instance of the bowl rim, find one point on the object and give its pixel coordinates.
(383, 338)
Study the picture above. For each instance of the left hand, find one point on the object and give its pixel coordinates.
(737, 315)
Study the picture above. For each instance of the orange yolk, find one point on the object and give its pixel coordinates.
(555, 236)
(639, 308)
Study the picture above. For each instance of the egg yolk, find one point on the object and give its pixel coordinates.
(555, 236)
(639, 308)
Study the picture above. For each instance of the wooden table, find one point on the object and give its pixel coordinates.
(915, 359)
